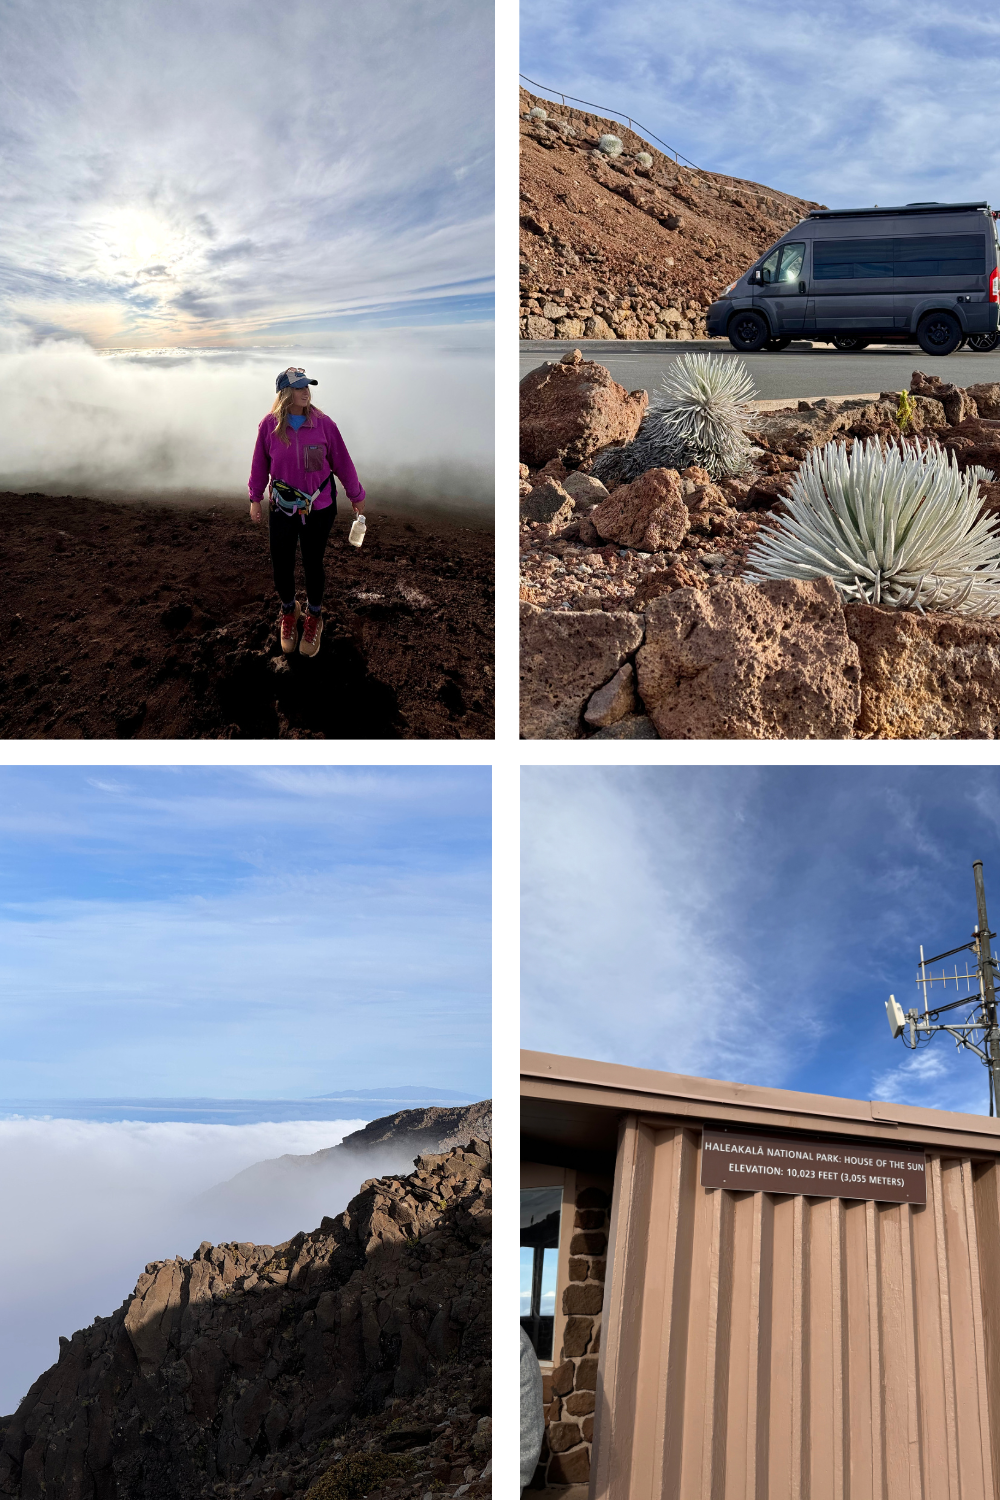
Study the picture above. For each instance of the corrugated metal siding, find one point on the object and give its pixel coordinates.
(759, 1347)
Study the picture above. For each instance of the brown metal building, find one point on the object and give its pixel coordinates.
(763, 1344)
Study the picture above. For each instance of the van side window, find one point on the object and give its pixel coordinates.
(903, 255)
(792, 257)
(769, 267)
(941, 255)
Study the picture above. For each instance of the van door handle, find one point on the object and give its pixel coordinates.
(802, 286)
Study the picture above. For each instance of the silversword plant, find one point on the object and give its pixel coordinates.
(698, 416)
(610, 145)
(900, 528)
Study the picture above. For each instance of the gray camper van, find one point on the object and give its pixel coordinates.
(922, 274)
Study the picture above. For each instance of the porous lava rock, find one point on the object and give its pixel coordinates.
(547, 501)
(746, 661)
(974, 441)
(926, 676)
(958, 402)
(648, 514)
(569, 411)
(986, 396)
(259, 1370)
(566, 655)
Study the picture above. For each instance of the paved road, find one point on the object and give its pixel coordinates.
(822, 371)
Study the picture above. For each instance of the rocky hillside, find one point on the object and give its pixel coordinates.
(387, 1144)
(637, 621)
(352, 1361)
(433, 1129)
(614, 248)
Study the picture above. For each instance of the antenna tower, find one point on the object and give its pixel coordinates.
(917, 1027)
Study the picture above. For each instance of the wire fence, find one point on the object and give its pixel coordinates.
(605, 110)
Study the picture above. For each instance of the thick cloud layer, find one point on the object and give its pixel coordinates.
(95, 1202)
(417, 419)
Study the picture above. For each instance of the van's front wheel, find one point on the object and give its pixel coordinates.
(748, 332)
(939, 333)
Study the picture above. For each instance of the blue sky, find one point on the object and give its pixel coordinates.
(186, 174)
(749, 923)
(849, 104)
(243, 933)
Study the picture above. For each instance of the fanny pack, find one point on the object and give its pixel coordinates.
(293, 502)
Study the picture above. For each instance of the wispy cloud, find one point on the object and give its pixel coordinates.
(750, 923)
(846, 104)
(181, 174)
(217, 932)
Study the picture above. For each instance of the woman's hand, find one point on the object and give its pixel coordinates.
(358, 508)
(255, 511)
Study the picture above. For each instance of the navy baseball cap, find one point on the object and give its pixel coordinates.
(293, 379)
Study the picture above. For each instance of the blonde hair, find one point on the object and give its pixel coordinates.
(282, 404)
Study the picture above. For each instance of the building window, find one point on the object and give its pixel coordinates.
(541, 1209)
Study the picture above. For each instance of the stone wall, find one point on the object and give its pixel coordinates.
(569, 1391)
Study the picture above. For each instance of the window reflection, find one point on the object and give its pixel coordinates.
(541, 1211)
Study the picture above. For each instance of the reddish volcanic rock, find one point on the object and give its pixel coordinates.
(926, 676)
(648, 514)
(743, 661)
(569, 411)
(566, 655)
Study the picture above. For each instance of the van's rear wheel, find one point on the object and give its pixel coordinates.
(848, 344)
(983, 343)
(939, 333)
(775, 346)
(748, 332)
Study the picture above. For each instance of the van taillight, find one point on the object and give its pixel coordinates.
(994, 288)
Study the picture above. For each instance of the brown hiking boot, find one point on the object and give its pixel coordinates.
(289, 632)
(311, 632)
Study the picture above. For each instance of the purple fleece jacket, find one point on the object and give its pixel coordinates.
(311, 453)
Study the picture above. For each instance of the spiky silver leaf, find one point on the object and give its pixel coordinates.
(899, 528)
(697, 417)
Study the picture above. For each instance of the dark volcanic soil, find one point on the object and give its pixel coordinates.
(141, 622)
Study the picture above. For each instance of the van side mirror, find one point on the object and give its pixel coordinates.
(755, 277)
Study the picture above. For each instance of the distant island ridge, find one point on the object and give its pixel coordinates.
(353, 1104)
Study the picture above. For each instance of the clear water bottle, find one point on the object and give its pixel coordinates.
(356, 534)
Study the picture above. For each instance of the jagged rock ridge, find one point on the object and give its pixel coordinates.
(258, 1370)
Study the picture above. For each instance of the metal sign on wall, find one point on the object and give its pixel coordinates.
(818, 1169)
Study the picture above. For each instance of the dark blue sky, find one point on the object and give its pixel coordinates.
(749, 923)
(854, 103)
(243, 932)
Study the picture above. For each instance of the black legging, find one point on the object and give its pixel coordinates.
(284, 532)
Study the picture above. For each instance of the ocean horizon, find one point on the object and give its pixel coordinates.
(214, 1111)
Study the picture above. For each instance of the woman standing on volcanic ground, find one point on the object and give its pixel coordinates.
(299, 450)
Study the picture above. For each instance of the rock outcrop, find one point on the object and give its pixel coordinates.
(926, 676)
(570, 409)
(750, 662)
(565, 658)
(353, 1355)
